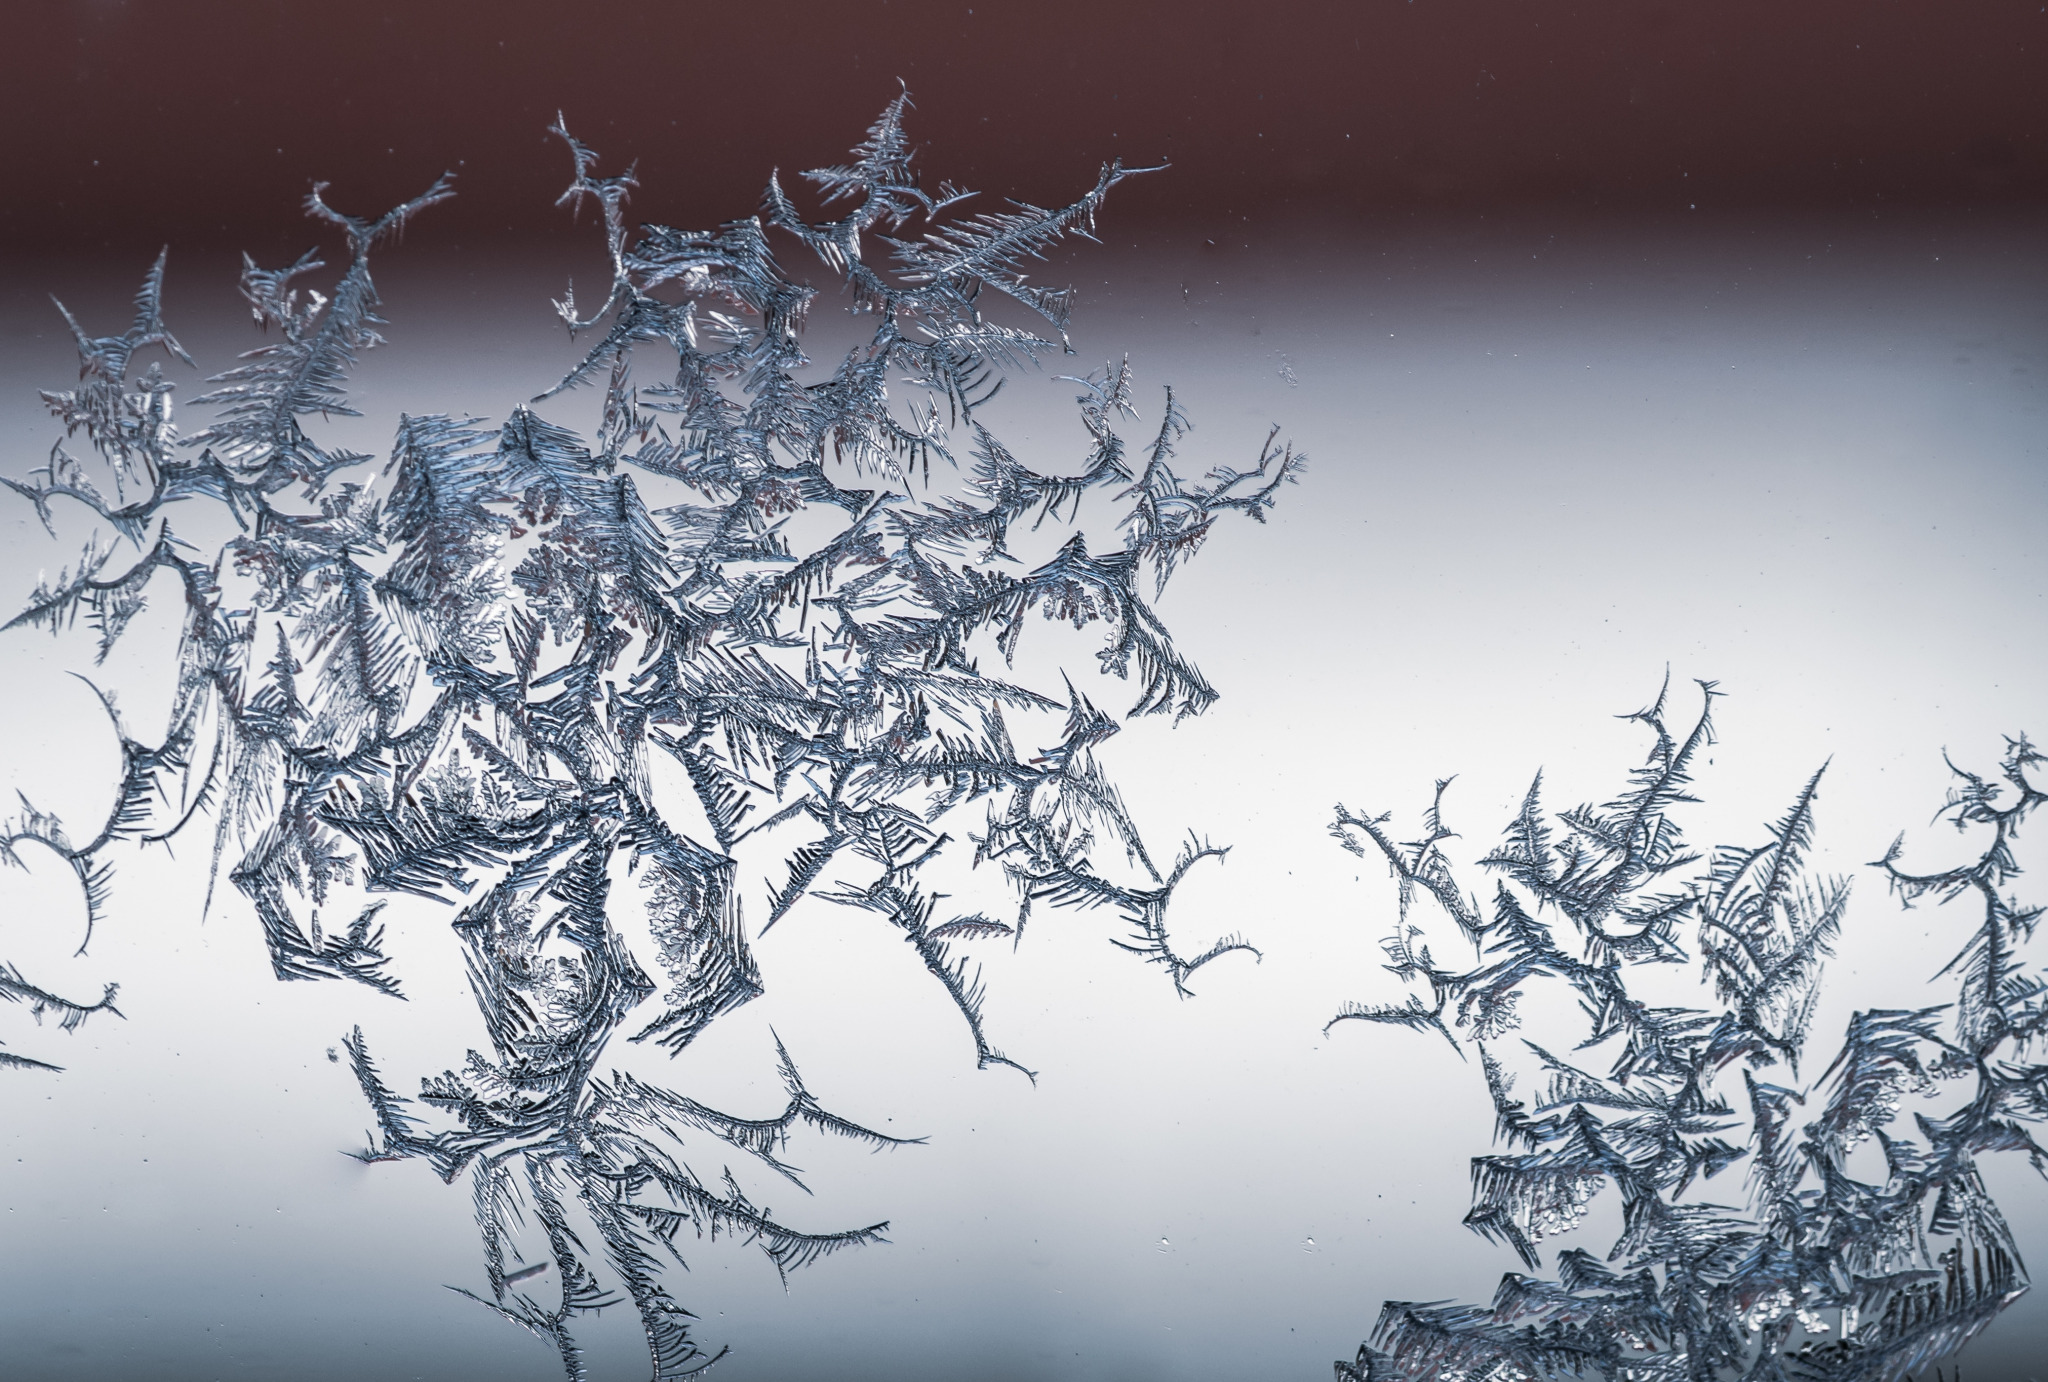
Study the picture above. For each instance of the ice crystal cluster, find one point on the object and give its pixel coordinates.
(493, 672)
(1816, 1267)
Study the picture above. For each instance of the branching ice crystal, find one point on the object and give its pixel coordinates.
(1817, 1274)
(457, 677)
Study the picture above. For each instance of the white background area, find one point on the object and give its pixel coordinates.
(1805, 458)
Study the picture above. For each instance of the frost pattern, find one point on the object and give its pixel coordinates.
(1815, 1274)
(457, 677)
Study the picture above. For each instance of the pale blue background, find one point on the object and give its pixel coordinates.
(1803, 457)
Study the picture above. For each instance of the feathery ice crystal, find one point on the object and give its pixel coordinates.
(492, 674)
(1818, 1274)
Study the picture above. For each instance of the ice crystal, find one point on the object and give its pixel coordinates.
(1703, 1290)
(451, 677)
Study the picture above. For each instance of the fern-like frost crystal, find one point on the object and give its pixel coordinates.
(1808, 1270)
(468, 674)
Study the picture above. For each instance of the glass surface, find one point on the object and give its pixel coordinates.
(1800, 457)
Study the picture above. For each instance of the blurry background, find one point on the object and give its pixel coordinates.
(1622, 336)
(202, 123)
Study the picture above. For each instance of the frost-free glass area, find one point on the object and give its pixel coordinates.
(747, 828)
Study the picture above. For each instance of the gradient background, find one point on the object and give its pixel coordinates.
(1622, 335)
